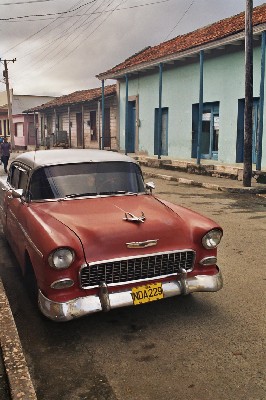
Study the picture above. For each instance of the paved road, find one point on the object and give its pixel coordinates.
(200, 347)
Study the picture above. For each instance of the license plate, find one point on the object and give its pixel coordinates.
(144, 294)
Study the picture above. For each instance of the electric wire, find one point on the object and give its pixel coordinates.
(63, 36)
(48, 64)
(40, 30)
(43, 15)
(97, 12)
(25, 2)
(97, 27)
(74, 34)
(180, 19)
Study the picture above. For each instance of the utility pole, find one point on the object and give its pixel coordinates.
(247, 168)
(10, 119)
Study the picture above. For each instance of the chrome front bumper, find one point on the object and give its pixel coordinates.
(106, 301)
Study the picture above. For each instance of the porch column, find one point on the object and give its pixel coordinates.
(102, 144)
(55, 128)
(261, 105)
(35, 131)
(200, 108)
(126, 117)
(82, 129)
(69, 126)
(99, 124)
(160, 111)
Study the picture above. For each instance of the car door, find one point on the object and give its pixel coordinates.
(16, 211)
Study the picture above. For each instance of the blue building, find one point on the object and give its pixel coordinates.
(184, 98)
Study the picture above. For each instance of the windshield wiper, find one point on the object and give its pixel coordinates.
(73, 195)
(110, 192)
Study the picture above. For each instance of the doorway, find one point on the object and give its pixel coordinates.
(79, 129)
(131, 138)
(164, 132)
(210, 130)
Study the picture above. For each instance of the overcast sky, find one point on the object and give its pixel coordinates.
(60, 45)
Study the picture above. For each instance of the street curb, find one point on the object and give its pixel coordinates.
(20, 384)
(211, 186)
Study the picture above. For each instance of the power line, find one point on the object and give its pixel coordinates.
(79, 34)
(180, 19)
(25, 2)
(81, 29)
(67, 32)
(97, 27)
(40, 30)
(98, 12)
(83, 23)
(48, 14)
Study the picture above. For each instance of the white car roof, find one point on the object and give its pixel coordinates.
(38, 158)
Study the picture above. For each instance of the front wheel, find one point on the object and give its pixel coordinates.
(30, 283)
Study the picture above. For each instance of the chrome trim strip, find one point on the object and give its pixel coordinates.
(130, 282)
(33, 245)
(142, 245)
(105, 300)
(138, 256)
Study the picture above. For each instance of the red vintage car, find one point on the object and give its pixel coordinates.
(91, 235)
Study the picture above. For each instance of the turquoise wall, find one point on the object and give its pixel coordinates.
(224, 78)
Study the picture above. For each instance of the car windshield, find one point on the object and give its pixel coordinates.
(86, 179)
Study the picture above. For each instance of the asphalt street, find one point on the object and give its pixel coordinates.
(201, 347)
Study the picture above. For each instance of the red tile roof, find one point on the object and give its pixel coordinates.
(81, 96)
(200, 37)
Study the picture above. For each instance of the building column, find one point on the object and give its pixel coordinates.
(103, 124)
(261, 105)
(126, 117)
(82, 125)
(69, 127)
(160, 111)
(200, 107)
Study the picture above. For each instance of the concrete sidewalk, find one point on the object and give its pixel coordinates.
(16, 383)
(15, 380)
(227, 178)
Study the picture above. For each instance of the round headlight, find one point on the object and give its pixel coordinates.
(212, 239)
(61, 258)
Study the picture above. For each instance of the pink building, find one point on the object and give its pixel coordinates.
(24, 125)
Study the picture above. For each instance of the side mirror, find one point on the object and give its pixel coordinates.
(17, 193)
(150, 186)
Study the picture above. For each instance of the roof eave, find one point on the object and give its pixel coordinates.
(51, 107)
(257, 30)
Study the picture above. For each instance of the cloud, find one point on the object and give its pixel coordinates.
(61, 55)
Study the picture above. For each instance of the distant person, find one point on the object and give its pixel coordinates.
(5, 153)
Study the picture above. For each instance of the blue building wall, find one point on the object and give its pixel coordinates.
(224, 82)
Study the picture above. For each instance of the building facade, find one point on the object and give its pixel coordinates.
(23, 126)
(185, 98)
(76, 120)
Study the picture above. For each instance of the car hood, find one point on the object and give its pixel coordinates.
(101, 225)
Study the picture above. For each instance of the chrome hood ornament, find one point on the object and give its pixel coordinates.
(132, 218)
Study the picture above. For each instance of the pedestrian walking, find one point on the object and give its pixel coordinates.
(5, 153)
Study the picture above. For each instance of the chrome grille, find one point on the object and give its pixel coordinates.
(138, 268)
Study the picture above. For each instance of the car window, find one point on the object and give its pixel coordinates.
(18, 178)
(14, 178)
(86, 178)
(23, 180)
